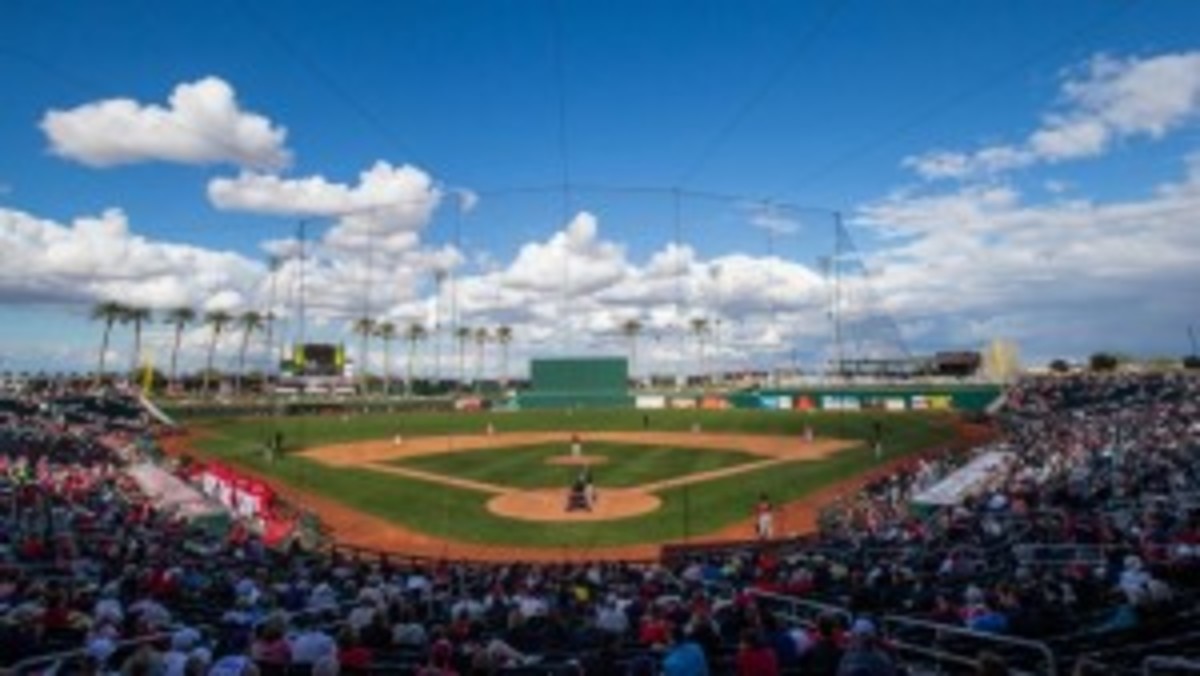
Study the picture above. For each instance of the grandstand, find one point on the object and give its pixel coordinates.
(1078, 549)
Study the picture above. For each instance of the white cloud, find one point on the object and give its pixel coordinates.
(773, 219)
(1105, 101)
(1066, 275)
(573, 262)
(203, 123)
(372, 259)
(383, 212)
(400, 197)
(99, 257)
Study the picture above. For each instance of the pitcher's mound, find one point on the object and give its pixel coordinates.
(550, 505)
(577, 460)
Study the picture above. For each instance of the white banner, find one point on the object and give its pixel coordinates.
(965, 481)
(169, 492)
(651, 401)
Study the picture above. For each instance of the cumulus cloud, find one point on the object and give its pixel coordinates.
(398, 196)
(1102, 102)
(372, 260)
(384, 211)
(202, 123)
(756, 306)
(573, 262)
(981, 261)
(99, 257)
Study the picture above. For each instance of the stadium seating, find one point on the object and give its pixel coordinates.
(1083, 551)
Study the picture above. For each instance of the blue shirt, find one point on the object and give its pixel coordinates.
(685, 659)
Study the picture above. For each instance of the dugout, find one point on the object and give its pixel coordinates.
(577, 382)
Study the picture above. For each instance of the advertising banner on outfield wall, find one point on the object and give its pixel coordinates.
(651, 401)
(840, 403)
(885, 403)
(937, 402)
(804, 403)
(714, 403)
(683, 402)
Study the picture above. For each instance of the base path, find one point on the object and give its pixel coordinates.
(359, 453)
(577, 460)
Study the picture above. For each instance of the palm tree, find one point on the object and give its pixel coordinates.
(481, 338)
(462, 334)
(109, 312)
(218, 320)
(386, 332)
(250, 321)
(364, 327)
(136, 316)
(700, 330)
(631, 328)
(504, 335)
(414, 334)
(179, 318)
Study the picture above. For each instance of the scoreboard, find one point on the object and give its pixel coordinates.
(318, 359)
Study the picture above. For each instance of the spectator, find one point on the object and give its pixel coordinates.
(685, 657)
(864, 656)
(755, 657)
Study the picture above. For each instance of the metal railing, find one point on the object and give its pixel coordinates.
(1064, 554)
(27, 665)
(933, 635)
(1154, 663)
(802, 611)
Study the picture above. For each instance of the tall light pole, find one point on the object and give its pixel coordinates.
(273, 264)
(715, 272)
(439, 278)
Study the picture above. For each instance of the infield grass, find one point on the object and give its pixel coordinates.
(460, 514)
(528, 466)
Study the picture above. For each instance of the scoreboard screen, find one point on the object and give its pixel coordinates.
(319, 359)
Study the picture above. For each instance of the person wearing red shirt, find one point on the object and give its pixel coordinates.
(352, 655)
(755, 657)
(655, 629)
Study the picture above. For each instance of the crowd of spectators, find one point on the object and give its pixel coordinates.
(1089, 529)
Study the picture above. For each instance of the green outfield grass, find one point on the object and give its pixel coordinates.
(527, 466)
(302, 432)
(462, 514)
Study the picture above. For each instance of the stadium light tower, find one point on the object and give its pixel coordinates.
(274, 263)
(715, 273)
(439, 278)
(826, 263)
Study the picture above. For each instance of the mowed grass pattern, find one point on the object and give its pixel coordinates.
(301, 432)
(528, 467)
(460, 514)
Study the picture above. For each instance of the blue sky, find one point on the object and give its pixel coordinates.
(835, 105)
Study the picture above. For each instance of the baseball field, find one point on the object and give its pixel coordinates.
(495, 484)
